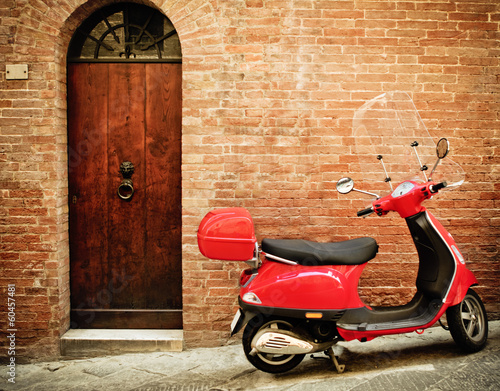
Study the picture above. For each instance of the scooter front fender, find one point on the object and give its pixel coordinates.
(464, 280)
(332, 287)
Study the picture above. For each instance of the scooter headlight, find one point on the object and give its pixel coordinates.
(251, 297)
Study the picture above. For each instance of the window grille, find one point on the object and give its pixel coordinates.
(125, 32)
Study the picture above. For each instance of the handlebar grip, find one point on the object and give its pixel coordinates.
(365, 212)
(435, 188)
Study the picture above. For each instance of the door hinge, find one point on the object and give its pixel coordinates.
(73, 200)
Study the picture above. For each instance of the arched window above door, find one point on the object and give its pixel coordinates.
(125, 32)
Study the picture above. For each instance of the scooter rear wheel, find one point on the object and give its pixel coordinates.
(271, 363)
(468, 323)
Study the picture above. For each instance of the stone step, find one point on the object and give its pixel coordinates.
(99, 342)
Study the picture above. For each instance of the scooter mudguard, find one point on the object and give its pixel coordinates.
(464, 278)
(308, 288)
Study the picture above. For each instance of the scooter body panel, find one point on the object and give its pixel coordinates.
(332, 287)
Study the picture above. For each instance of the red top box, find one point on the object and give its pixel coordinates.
(227, 234)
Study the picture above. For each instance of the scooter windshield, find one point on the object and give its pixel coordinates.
(393, 145)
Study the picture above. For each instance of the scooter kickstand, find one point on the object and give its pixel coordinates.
(339, 367)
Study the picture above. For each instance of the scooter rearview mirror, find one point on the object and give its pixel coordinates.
(442, 149)
(345, 185)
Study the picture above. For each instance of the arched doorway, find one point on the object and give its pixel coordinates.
(124, 146)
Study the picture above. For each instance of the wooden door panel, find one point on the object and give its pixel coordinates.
(163, 160)
(87, 182)
(125, 255)
(126, 132)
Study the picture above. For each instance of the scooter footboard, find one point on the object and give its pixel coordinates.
(365, 323)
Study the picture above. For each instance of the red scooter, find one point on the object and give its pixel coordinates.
(301, 297)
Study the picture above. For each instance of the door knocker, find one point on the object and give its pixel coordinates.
(126, 188)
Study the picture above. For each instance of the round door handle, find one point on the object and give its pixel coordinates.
(126, 190)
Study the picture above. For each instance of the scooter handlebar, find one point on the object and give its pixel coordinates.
(438, 186)
(365, 212)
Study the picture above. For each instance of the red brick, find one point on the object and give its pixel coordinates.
(468, 16)
(269, 92)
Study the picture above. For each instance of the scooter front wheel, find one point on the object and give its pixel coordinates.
(271, 363)
(468, 323)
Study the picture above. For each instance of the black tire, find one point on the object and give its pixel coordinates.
(468, 323)
(271, 363)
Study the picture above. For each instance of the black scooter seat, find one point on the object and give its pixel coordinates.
(307, 253)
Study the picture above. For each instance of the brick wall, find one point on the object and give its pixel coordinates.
(269, 91)
(273, 126)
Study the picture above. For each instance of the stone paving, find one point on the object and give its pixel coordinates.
(407, 362)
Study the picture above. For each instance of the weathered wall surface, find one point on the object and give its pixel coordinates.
(269, 92)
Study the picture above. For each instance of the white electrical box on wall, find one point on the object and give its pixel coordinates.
(16, 72)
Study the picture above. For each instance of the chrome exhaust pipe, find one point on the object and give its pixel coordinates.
(285, 342)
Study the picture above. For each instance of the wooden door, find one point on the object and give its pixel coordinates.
(125, 255)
